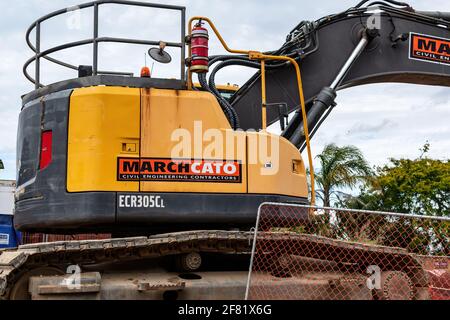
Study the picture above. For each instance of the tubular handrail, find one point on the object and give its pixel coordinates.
(95, 40)
(256, 55)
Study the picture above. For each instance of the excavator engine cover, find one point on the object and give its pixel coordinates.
(112, 167)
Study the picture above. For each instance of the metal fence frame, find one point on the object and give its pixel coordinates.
(95, 40)
(379, 213)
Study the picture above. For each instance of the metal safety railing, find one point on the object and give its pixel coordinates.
(313, 253)
(95, 40)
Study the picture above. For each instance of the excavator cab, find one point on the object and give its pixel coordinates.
(106, 151)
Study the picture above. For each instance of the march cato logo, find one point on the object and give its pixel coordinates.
(429, 49)
(133, 169)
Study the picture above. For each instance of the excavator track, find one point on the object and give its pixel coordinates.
(15, 263)
(350, 255)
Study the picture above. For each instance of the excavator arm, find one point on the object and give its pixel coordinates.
(362, 45)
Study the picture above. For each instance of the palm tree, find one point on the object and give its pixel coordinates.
(340, 167)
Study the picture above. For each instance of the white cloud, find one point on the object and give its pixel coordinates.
(384, 121)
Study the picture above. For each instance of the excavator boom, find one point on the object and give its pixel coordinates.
(408, 47)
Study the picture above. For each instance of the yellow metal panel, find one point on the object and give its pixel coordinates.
(287, 177)
(165, 113)
(104, 124)
(110, 122)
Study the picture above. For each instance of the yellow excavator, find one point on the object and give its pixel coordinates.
(141, 157)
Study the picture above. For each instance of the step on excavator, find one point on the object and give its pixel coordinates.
(108, 152)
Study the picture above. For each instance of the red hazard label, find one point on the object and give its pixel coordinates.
(133, 169)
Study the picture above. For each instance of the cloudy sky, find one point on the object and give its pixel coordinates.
(382, 120)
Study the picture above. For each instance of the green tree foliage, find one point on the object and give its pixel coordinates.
(340, 167)
(420, 186)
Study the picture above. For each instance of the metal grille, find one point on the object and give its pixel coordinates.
(311, 253)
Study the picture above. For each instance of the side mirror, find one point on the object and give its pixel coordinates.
(159, 54)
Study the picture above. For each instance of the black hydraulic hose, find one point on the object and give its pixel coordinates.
(215, 59)
(203, 82)
(236, 62)
(225, 105)
(212, 85)
(435, 14)
(229, 111)
(396, 3)
(383, 3)
(212, 60)
(239, 62)
(228, 60)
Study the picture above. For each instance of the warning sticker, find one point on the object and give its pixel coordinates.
(429, 49)
(133, 169)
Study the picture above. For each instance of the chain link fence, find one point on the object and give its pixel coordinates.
(311, 253)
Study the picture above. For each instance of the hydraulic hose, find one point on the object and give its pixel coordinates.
(229, 111)
(228, 60)
(237, 62)
(396, 3)
(212, 60)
